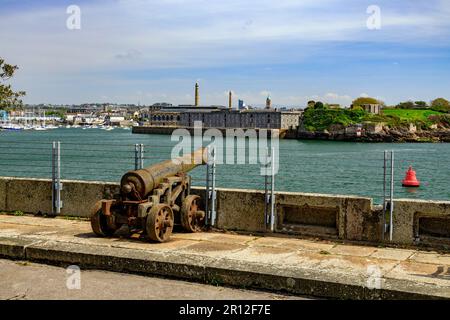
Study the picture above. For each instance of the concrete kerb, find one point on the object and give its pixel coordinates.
(14, 248)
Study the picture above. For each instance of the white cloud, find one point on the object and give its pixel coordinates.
(141, 35)
(177, 33)
(129, 55)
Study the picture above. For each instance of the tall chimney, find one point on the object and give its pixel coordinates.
(197, 97)
(268, 102)
(230, 100)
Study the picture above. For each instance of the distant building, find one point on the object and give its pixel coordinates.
(222, 117)
(159, 105)
(245, 119)
(334, 105)
(113, 120)
(3, 115)
(241, 105)
(197, 94)
(372, 108)
(171, 115)
(268, 103)
(81, 109)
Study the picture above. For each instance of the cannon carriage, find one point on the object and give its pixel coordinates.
(153, 200)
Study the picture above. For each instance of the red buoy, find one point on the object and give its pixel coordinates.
(410, 179)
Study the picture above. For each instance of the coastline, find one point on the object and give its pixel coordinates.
(393, 135)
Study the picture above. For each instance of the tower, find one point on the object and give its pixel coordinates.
(197, 97)
(230, 100)
(268, 103)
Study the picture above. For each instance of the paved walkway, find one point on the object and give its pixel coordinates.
(298, 266)
(23, 280)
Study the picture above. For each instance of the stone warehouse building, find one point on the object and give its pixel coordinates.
(166, 115)
(221, 117)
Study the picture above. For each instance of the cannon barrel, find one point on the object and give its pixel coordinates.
(143, 181)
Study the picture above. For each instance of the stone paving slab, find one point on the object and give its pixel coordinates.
(298, 266)
(430, 257)
(422, 273)
(392, 254)
(347, 250)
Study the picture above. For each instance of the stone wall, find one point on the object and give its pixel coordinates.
(319, 215)
(421, 221)
(35, 195)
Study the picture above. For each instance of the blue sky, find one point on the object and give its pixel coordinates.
(295, 50)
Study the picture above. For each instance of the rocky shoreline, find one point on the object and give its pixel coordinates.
(387, 135)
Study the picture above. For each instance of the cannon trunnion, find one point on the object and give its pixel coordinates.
(153, 200)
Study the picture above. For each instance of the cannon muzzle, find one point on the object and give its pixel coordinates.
(139, 183)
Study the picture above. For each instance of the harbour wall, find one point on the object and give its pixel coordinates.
(342, 134)
(343, 217)
(167, 130)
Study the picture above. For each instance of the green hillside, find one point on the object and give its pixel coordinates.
(411, 115)
(321, 119)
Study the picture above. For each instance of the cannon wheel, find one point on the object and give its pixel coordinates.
(192, 218)
(99, 222)
(160, 223)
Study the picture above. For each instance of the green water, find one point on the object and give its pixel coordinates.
(305, 166)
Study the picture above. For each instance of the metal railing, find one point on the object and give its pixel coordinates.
(388, 193)
(373, 174)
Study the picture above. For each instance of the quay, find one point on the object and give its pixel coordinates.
(297, 266)
(168, 130)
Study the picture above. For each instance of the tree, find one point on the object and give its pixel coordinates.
(440, 104)
(311, 103)
(319, 105)
(421, 104)
(364, 100)
(8, 98)
(406, 105)
(412, 105)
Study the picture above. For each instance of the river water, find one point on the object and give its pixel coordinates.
(304, 166)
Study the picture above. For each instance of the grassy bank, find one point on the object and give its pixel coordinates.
(324, 119)
(412, 115)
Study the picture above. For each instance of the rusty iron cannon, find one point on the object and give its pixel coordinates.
(152, 200)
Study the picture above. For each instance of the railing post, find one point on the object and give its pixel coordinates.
(269, 190)
(388, 200)
(141, 152)
(266, 191)
(56, 178)
(272, 192)
(391, 206)
(383, 231)
(136, 156)
(210, 205)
